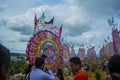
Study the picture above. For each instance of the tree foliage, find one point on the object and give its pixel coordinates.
(18, 66)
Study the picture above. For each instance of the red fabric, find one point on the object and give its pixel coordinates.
(35, 21)
(60, 31)
(81, 75)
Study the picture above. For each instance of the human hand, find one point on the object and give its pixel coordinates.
(46, 68)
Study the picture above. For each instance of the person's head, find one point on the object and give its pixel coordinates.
(30, 65)
(4, 62)
(44, 56)
(75, 64)
(29, 68)
(114, 64)
(60, 74)
(39, 63)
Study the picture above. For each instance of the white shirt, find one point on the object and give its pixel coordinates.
(38, 74)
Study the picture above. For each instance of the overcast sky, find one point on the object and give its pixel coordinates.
(84, 21)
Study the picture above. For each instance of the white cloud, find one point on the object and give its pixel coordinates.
(82, 23)
(3, 7)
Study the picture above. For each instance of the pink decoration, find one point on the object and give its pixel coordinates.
(91, 53)
(81, 53)
(45, 41)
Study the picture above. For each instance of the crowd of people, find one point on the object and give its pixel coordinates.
(38, 70)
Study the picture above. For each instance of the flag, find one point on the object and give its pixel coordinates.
(105, 40)
(60, 31)
(35, 22)
(42, 17)
(111, 21)
(62, 40)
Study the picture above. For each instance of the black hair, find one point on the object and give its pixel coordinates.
(4, 62)
(29, 68)
(60, 74)
(75, 60)
(39, 62)
(44, 56)
(114, 64)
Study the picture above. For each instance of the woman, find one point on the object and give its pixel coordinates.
(4, 63)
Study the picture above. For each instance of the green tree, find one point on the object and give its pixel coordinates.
(18, 66)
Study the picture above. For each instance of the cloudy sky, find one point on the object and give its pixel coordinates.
(84, 21)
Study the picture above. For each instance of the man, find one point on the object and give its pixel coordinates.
(75, 65)
(38, 74)
(114, 68)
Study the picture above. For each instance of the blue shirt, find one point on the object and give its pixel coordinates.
(38, 74)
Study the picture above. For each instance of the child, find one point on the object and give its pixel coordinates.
(75, 65)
